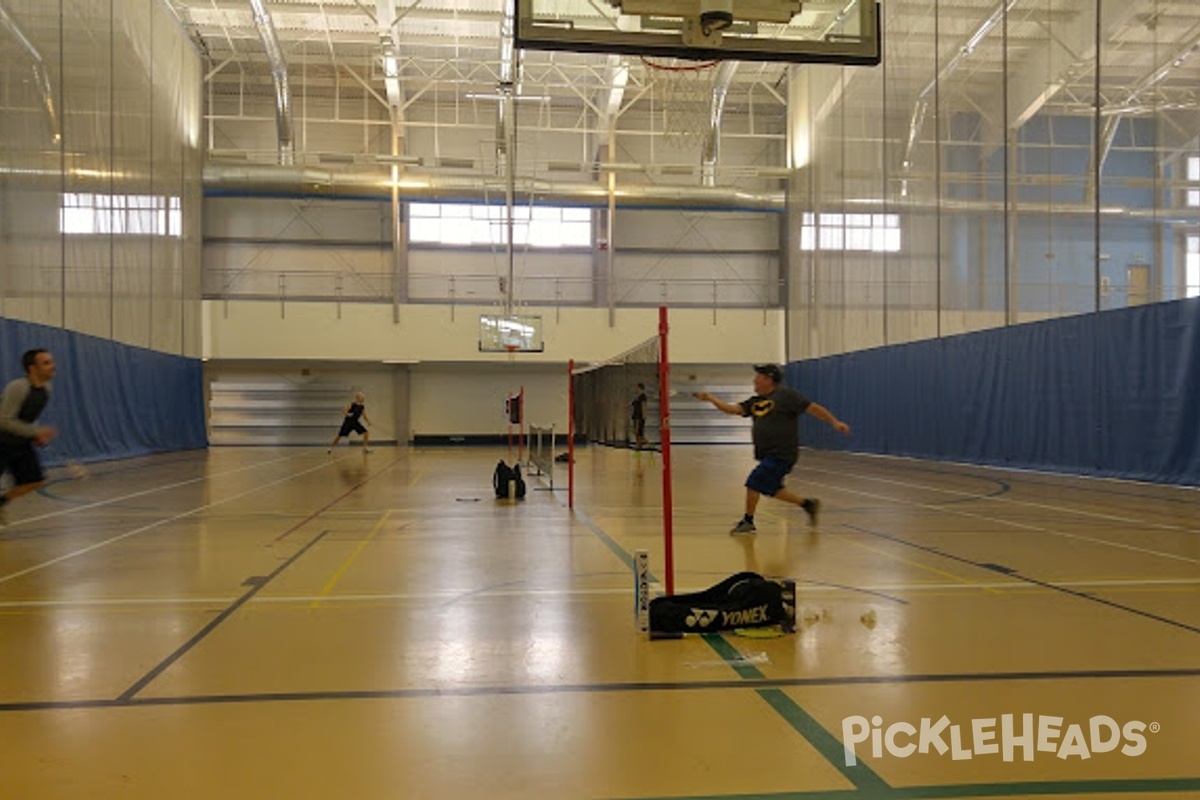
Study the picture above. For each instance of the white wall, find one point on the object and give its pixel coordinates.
(452, 387)
(249, 329)
(677, 256)
(386, 407)
(468, 398)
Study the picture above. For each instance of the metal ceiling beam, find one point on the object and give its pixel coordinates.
(1070, 46)
(921, 108)
(1151, 79)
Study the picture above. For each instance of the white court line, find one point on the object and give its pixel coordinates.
(110, 501)
(367, 598)
(1009, 523)
(151, 526)
(997, 499)
(957, 512)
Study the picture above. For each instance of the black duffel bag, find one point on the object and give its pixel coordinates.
(744, 600)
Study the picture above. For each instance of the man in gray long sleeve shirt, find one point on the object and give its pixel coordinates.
(21, 403)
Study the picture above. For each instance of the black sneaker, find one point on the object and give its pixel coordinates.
(743, 527)
(812, 507)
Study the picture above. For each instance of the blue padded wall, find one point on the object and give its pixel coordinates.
(111, 400)
(1110, 394)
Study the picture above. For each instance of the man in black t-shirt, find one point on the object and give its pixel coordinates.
(776, 411)
(350, 423)
(21, 403)
(639, 415)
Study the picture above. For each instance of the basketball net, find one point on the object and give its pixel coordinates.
(682, 92)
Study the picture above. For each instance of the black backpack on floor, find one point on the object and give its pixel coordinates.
(503, 475)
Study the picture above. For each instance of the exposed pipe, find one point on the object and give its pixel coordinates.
(507, 84)
(41, 76)
(283, 95)
(506, 139)
(385, 16)
(309, 182)
(274, 181)
(712, 144)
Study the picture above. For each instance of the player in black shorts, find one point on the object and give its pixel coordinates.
(776, 410)
(351, 424)
(639, 415)
(21, 403)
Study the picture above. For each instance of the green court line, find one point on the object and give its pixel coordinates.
(730, 653)
(607, 540)
(1024, 789)
(825, 743)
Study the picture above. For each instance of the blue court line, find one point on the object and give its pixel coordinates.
(166, 663)
(1018, 576)
(747, 684)
(1022, 789)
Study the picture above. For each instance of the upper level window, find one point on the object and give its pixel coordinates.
(124, 214)
(1193, 176)
(878, 233)
(462, 224)
(1193, 266)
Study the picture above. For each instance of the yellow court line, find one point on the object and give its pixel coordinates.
(337, 576)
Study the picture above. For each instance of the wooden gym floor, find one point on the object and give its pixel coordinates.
(257, 623)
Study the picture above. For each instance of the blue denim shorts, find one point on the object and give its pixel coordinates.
(767, 477)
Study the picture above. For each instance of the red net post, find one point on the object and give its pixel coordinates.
(571, 433)
(664, 393)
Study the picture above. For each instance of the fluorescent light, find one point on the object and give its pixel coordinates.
(527, 98)
(622, 168)
(410, 160)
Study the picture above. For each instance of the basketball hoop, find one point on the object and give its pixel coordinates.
(511, 349)
(683, 90)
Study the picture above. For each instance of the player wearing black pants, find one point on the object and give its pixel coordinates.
(639, 415)
(21, 403)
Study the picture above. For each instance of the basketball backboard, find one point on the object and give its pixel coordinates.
(510, 334)
(798, 31)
